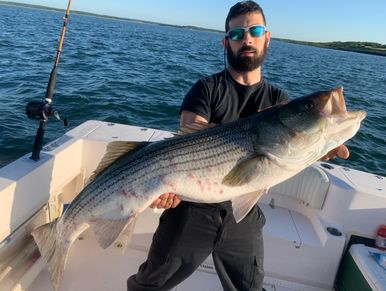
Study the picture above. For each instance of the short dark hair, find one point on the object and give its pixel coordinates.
(241, 8)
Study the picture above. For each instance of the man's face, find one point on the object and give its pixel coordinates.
(247, 54)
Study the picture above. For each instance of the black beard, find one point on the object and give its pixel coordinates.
(245, 64)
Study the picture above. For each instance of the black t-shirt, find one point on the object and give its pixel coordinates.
(219, 98)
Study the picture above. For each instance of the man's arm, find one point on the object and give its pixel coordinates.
(188, 117)
(171, 200)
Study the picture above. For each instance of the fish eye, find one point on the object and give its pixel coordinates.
(309, 105)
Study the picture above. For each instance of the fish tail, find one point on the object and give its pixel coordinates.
(53, 251)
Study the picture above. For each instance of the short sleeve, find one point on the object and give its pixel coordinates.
(283, 96)
(278, 95)
(197, 100)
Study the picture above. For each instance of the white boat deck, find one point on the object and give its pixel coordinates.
(92, 268)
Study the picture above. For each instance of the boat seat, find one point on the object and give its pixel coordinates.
(309, 187)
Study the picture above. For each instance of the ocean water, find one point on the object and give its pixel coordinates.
(138, 74)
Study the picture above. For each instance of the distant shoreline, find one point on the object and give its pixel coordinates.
(352, 46)
(10, 3)
(371, 48)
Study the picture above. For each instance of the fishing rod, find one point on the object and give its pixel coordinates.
(43, 110)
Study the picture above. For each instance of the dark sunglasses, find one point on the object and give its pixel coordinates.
(238, 33)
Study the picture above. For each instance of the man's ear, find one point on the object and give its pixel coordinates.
(225, 42)
(268, 38)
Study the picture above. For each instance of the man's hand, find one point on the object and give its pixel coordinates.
(166, 200)
(170, 200)
(341, 152)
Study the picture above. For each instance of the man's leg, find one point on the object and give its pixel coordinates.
(239, 253)
(183, 240)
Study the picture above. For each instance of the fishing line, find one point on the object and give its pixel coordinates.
(43, 109)
(225, 53)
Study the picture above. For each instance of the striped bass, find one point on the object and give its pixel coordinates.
(237, 161)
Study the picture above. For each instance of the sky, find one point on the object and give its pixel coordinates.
(306, 20)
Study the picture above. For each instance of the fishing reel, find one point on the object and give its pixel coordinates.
(43, 111)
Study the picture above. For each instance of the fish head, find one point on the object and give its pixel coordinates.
(319, 110)
(307, 128)
(322, 111)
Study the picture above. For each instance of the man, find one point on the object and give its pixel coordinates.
(189, 232)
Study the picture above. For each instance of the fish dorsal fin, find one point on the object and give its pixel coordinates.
(194, 127)
(243, 204)
(114, 151)
(244, 171)
(106, 231)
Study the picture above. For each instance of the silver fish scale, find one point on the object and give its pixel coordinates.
(191, 153)
(195, 152)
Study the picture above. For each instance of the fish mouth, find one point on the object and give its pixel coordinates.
(335, 107)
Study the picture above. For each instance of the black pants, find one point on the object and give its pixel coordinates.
(186, 236)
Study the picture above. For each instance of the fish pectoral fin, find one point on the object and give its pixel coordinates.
(114, 151)
(244, 171)
(243, 204)
(106, 231)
